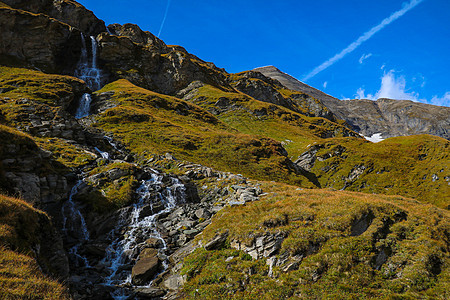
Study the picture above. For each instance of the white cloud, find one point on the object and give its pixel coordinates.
(325, 84)
(350, 48)
(360, 92)
(391, 87)
(441, 101)
(382, 67)
(364, 57)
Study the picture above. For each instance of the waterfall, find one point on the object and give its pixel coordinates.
(74, 226)
(84, 107)
(140, 226)
(88, 71)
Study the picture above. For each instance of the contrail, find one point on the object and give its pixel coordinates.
(363, 38)
(164, 19)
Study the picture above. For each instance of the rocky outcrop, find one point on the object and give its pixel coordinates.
(267, 89)
(27, 171)
(66, 11)
(156, 67)
(386, 116)
(37, 40)
(146, 267)
(138, 36)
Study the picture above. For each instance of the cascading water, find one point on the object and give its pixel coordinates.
(88, 71)
(74, 227)
(85, 106)
(140, 226)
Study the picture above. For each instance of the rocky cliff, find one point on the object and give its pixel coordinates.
(386, 116)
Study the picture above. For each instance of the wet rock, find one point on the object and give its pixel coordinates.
(149, 293)
(146, 267)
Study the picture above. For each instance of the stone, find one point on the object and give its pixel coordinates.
(174, 282)
(153, 243)
(149, 293)
(202, 213)
(217, 241)
(146, 267)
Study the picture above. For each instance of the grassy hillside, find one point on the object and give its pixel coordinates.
(20, 275)
(334, 245)
(53, 90)
(412, 166)
(251, 116)
(150, 123)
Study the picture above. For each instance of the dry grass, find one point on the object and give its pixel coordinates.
(20, 275)
(338, 261)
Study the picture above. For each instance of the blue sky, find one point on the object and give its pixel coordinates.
(407, 58)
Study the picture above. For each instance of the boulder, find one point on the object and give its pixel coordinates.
(217, 241)
(149, 293)
(146, 267)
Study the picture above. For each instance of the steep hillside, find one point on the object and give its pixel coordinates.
(299, 244)
(413, 166)
(26, 235)
(151, 123)
(386, 116)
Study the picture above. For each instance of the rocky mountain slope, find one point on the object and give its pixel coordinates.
(386, 116)
(130, 169)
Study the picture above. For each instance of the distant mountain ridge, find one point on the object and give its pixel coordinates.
(386, 116)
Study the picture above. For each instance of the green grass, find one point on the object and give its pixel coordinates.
(53, 90)
(66, 153)
(337, 263)
(396, 166)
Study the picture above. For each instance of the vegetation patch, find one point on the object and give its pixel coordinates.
(53, 90)
(255, 117)
(345, 244)
(150, 123)
(112, 186)
(412, 166)
(20, 275)
(65, 152)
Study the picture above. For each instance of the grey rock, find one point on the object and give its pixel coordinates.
(217, 241)
(386, 116)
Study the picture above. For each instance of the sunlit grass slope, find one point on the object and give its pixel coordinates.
(412, 166)
(351, 246)
(150, 123)
(20, 275)
(251, 116)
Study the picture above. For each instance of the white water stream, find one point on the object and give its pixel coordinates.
(88, 71)
(141, 227)
(74, 226)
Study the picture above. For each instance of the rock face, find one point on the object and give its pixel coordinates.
(386, 116)
(24, 168)
(66, 11)
(145, 61)
(36, 40)
(266, 89)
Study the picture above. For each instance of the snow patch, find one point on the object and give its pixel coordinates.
(375, 138)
